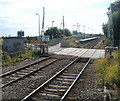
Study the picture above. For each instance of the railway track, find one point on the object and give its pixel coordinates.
(20, 73)
(27, 84)
(90, 44)
(58, 86)
(64, 77)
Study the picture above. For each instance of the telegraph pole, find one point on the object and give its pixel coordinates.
(84, 31)
(42, 31)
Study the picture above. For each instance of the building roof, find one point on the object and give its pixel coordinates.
(12, 37)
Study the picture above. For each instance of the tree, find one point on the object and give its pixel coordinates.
(75, 32)
(67, 32)
(105, 29)
(116, 27)
(53, 32)
(116, 23)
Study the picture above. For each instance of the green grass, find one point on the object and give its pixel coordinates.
(70, 43)
(9, 60)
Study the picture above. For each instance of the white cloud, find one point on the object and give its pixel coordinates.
(20, 14)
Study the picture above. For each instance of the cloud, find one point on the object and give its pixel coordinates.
(20, 14)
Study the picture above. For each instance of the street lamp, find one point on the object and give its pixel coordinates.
(52, 23)
(91, 31)
(39, 25)
(84, 31)
(60, 25)
(73, 27)
(52, 28)
(88, 30)
(79, 27)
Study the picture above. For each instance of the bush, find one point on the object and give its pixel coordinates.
(72, 43)
(101, 67)
(69, 43)
(109, 69)
(112, 74)
(10, 60)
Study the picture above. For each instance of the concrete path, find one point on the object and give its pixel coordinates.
(86, 53)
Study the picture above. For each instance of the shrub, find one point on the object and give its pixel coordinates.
(109, 69)
(112, 74)
(10, 60)
(72, 43)
(101, 67)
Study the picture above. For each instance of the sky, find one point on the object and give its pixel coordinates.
(16, 15)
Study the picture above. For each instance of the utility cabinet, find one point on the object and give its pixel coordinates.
(43, 49)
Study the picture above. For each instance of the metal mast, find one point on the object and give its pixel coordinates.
(42, 30)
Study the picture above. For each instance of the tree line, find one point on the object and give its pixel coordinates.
(111, 29)
(54, 32)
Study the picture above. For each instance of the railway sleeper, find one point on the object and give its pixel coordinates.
(65, 82)
(57, 86)
(25, 70)
(23, 73)
(60, 83)
(30, 69)
(13, 78)
(54, 90)
(42, 96)
(66, 79)
(69, 74)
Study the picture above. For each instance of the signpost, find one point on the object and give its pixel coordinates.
(45, 38)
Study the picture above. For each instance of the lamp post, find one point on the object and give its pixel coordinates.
(39, 26)
(84, 31)
(60, 25)
(77, 26)
(52, 28)
(88, 30)
(52, 23)
(91, 31)
(73, 27)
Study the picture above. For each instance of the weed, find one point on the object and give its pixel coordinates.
(9, 60)
(109, 69)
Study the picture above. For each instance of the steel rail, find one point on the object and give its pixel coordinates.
(23, 67)
(81, 72)
(28, 74)
(94, 44)
(66, 93)
(45, 83)
(32, 93)
(90, 43)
